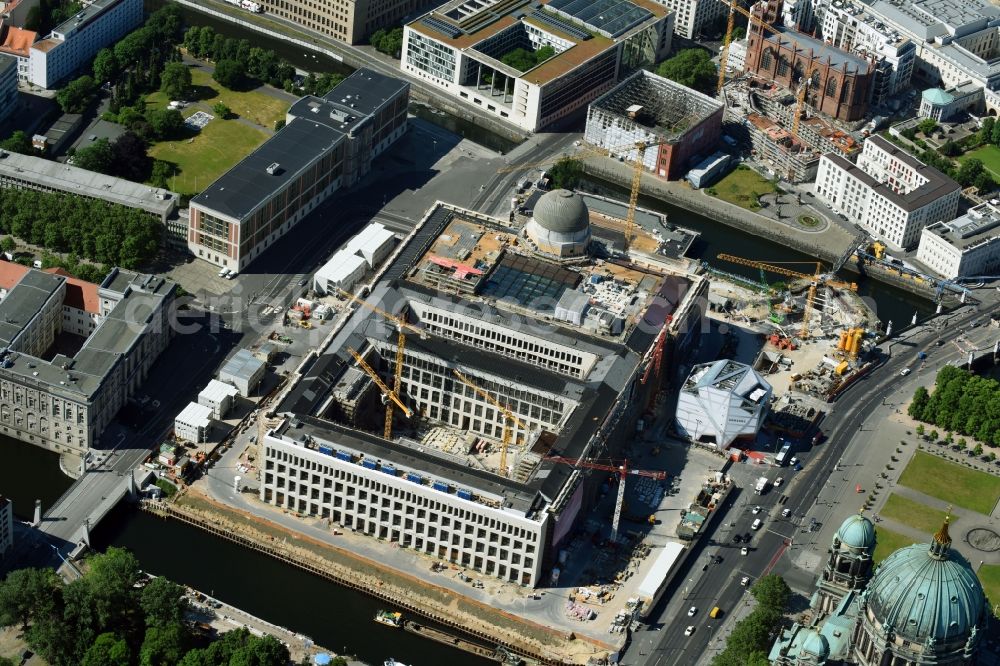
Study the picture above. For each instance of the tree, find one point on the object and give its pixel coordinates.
(920, 428)
(520, 59)
(771, 592)
(977, 450)
(175, 80)
(26, 593)
(7, 244)
(949, 439)
(918, 405)
(566, 173)
(985, 133)
(968, 172)
(163, 646)
(221, 110)
(130, 159)
(927, 126)
(18, 142)
(984, 182)
(230, 74)
(389, 42)
(260, 651)
(162, 601)
(950, 149)
(77, 94)
(692, 68)
(107, 650)
(279, 124)
(162, 172)
(739, 32)
(105, 66)
(995, 134)
(98, 157)
(166, 123)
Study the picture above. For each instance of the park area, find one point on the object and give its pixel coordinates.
(888, 542)
(914, 514)
(203, 156)
(964, 487)
(989, 155)
(742, 186)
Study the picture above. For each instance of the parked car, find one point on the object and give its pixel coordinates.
(786, 513)
(689, 630)
(755, 510)
(778, 481)
(745, 581)
(692, 611)
(904, 372)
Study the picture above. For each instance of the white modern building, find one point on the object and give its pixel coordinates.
(889, 192)
(6, 525)
(193, 424)
(364, 252)
(964, 247)
(722, 402)
(327, 144)
(737, 58)
(570, 53)
(691, 16)
(244, 371)
(943, 105)
(374, 243)
(218, 396)
(849, 26)
(9, 100)
(70, 46)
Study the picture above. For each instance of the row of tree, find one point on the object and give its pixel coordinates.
(961, 402)
(115, 616)
(692, 68)
(99, 231)
(389, 42)
(751, 637)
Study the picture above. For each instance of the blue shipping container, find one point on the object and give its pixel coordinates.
(368, 464)
(414, 477)
(388, 469)
(464, 494)
(326, 450)
(440, 485)
(344, 455)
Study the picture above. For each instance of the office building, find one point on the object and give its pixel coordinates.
(561, 342)
(194, 423)
(29, 172)
(6, 525)
(850, 26)
(244, 371)
(677, 123)
(218, 396)
(964, 247)
(327, 145)
(9, 97)
(691, 17)
(69, 48)
(840, 82)
(722, 402)
(922, 606)
(350, 21)
(63, 403)
(532, 65)
(889, 192)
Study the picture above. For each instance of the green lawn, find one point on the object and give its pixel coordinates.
(989, 156)
(254, 106)
(964, 487)
(739, 185)
(989, 576)
(888, 543)
(208, 154)
(916, 515)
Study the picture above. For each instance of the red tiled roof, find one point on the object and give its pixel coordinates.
(18, 41)
(82, 296)
(11, 274)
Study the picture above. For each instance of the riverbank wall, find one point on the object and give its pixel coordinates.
(351, 56)
(827, 245)
(482, 624)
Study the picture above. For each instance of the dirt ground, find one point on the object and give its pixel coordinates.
(12, 645)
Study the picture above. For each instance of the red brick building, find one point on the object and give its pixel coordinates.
(840, 83)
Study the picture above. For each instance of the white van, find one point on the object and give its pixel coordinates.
(223, 272)
(756, 524)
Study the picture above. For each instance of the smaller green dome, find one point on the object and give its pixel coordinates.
(857, 532)
(937, 96)
(814, 643)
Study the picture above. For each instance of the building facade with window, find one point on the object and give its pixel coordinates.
(693, 16)
(64, 403)
(69, 48)
(327, 144)
(964, 247)
(575, 53)
(350, 21)
(890, 193)
(9, 101)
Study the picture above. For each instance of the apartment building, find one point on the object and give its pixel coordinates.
(890, 193)
(678, 123)
(851, 27)
(448, 488)
(69, 48)
(692, 16)
(17, 42)
(350, 21)
(964, 247)
(327, 145)
(63, 403)
(587, 48)
(9, 100)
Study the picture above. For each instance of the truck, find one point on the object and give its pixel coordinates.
(783, 454)
(761, 486)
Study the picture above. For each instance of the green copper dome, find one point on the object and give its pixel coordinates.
(813, 643)
(937, 96)
(857, 532)
(927, 592)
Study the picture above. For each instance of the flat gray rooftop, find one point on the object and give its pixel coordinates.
(84, 16)
(73, 180)
(25, 301)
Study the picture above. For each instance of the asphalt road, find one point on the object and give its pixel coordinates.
(706, 584)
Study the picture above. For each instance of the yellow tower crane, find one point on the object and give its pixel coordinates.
(391, 395)
(401, 326)
(509, 417)
(816, 279)
(639, 146)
